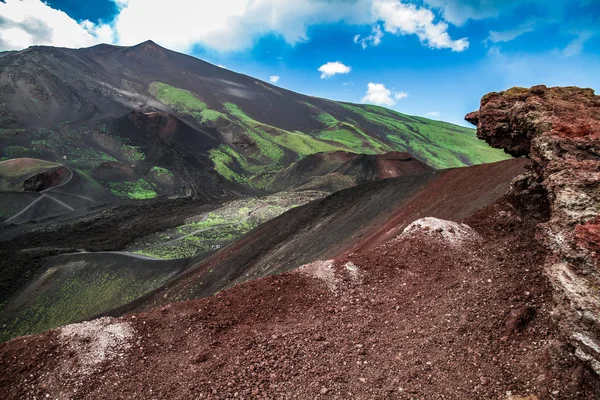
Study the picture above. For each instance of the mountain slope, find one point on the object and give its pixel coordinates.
(354, 219)
(443, 310)
(119, 114)
(343, 169)
(80, 285)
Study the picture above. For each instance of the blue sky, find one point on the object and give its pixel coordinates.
(433, 58)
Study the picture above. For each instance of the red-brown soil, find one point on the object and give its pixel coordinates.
(499, 307)
(357, 218)
(441, 313)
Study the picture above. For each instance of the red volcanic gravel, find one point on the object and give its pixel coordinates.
(443, 313)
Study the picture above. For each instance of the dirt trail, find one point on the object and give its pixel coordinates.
(44, 193)
(124, 253)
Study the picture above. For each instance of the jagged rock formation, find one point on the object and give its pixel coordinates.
(558, 128)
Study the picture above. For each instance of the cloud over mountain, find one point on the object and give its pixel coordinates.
(378, 94)
(332, 68)
(228, 25)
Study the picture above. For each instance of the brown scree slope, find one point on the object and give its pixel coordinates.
(442, 310)
(447, 312)
(357, 218)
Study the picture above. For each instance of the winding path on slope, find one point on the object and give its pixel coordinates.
(45, 194)
(123, 253)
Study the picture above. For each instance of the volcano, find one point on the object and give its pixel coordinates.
(144, 121)
(173, 229)
(474, 282)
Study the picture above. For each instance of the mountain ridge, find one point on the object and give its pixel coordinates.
(51, 94)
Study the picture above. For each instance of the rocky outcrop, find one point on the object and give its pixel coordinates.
(558, 128)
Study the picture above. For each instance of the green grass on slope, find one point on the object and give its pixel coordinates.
(439, 144)
(73, 291)
(185, 102)
(257, 168)
(298, 142)
(354, 139)
(139, 190)
(218, 228)
(349, 135)
(326, 119)
(161, 175)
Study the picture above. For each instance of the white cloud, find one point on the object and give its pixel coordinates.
(374, 39)
(221, 66)
(229, 25)
(348, 84)
(407, 19)
(434, 114)
(24, 23)
(511, 34)
(457, 12)
(273, 78)
(378, 94)
(575, 46)
(332, 68)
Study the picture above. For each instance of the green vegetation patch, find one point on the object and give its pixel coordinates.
(439, 144)
(224, 159)
(7, 133)
(354, 139)
(184, 101)
(77, 290)
(304, 144)
(257, 169)
(86, 159)
(132, 153)
(216, 229)
(140, 190)
(20, 152)
(161, 175)
(327, 119)
(209, 116)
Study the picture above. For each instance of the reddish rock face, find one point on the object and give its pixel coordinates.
(511, 119)
(559, 130)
